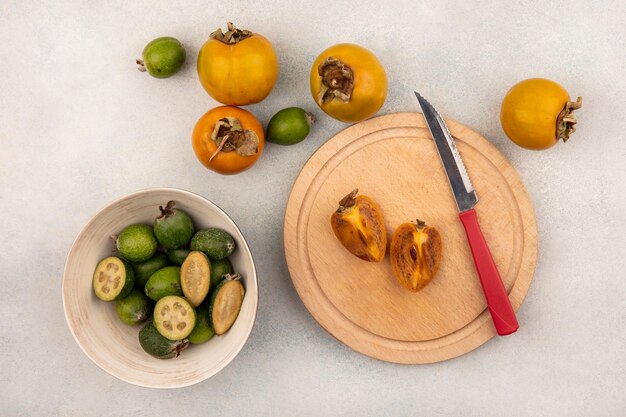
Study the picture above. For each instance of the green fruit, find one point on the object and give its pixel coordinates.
(162, 57)
(135, 308)
(164, 282)
(178, 256)
(158, 346)
(113, 279)
(215, 243)
(289, 126)
(195, 277)
(219, 269)
(226, 303)
(143, 270)
(174, 317)
(173, 228)
(137, 243)
(202, 331)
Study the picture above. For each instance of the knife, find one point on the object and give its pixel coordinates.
(502, 313)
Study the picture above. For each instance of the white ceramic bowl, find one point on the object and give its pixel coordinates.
(113, 345)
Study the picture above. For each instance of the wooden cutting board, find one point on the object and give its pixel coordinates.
(393, 159)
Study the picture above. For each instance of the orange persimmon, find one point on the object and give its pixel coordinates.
(228, 139)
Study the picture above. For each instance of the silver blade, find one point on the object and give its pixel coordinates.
(453, 164)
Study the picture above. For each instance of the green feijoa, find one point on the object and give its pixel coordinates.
(158, 346)
(162, 57)
(226, 303)
(164, 282)
(289, 126)
(202, 331)
(219, 269)
(135, 308)
(173, 228)
(113, 279)
(143, 270)
(215, 243)
(137, 243)
(178, 256)
(174, 317)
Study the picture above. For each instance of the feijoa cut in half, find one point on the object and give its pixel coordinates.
(226, 303)
(195, 277)
(165, 281)
(158, 346)
(173, 228)
(113, 279)
(215, 243)
(174, 317)
(135, 308)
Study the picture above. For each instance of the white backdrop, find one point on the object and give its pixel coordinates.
(80, 126)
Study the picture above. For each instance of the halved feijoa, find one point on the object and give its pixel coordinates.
(202, 331)
(113, 279)
(137, 243)
(145, 269)
(174, 317)
(215, 243)
(158, 346)
(173, 228)
(226, 303)
(219, 269)
(165, 281)
(135, 308)
(178, 256)
(195, 277)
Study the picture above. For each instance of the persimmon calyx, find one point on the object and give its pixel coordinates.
(232, 34)
(337, 81)
(229, 136)
(566, 121)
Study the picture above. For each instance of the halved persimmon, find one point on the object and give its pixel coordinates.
(415, 254)
(358, 224)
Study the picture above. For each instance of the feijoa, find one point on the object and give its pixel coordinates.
(226, 303)
(137, 243)
(135, 308)
(215, 243)
(174, 317)
(113, 279)
(164, 282)
(143, 270)
(162, 57)
(178, 256)
(158, 346)
(195, 277)
(202, 331)
(173, 228)
(219, 269)
(289, 126)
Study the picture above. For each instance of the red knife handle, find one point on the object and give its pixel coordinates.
(500, 307)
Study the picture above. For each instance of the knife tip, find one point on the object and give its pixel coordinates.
(420, 99)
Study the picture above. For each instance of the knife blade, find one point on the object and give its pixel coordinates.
(502, 313)
(460, 183)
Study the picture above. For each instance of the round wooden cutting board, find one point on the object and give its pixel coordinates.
(393, 159)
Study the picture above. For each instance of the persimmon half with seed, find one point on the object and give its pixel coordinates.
(359, 226)
(415, 254)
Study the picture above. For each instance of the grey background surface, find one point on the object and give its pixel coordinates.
(80, 126)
